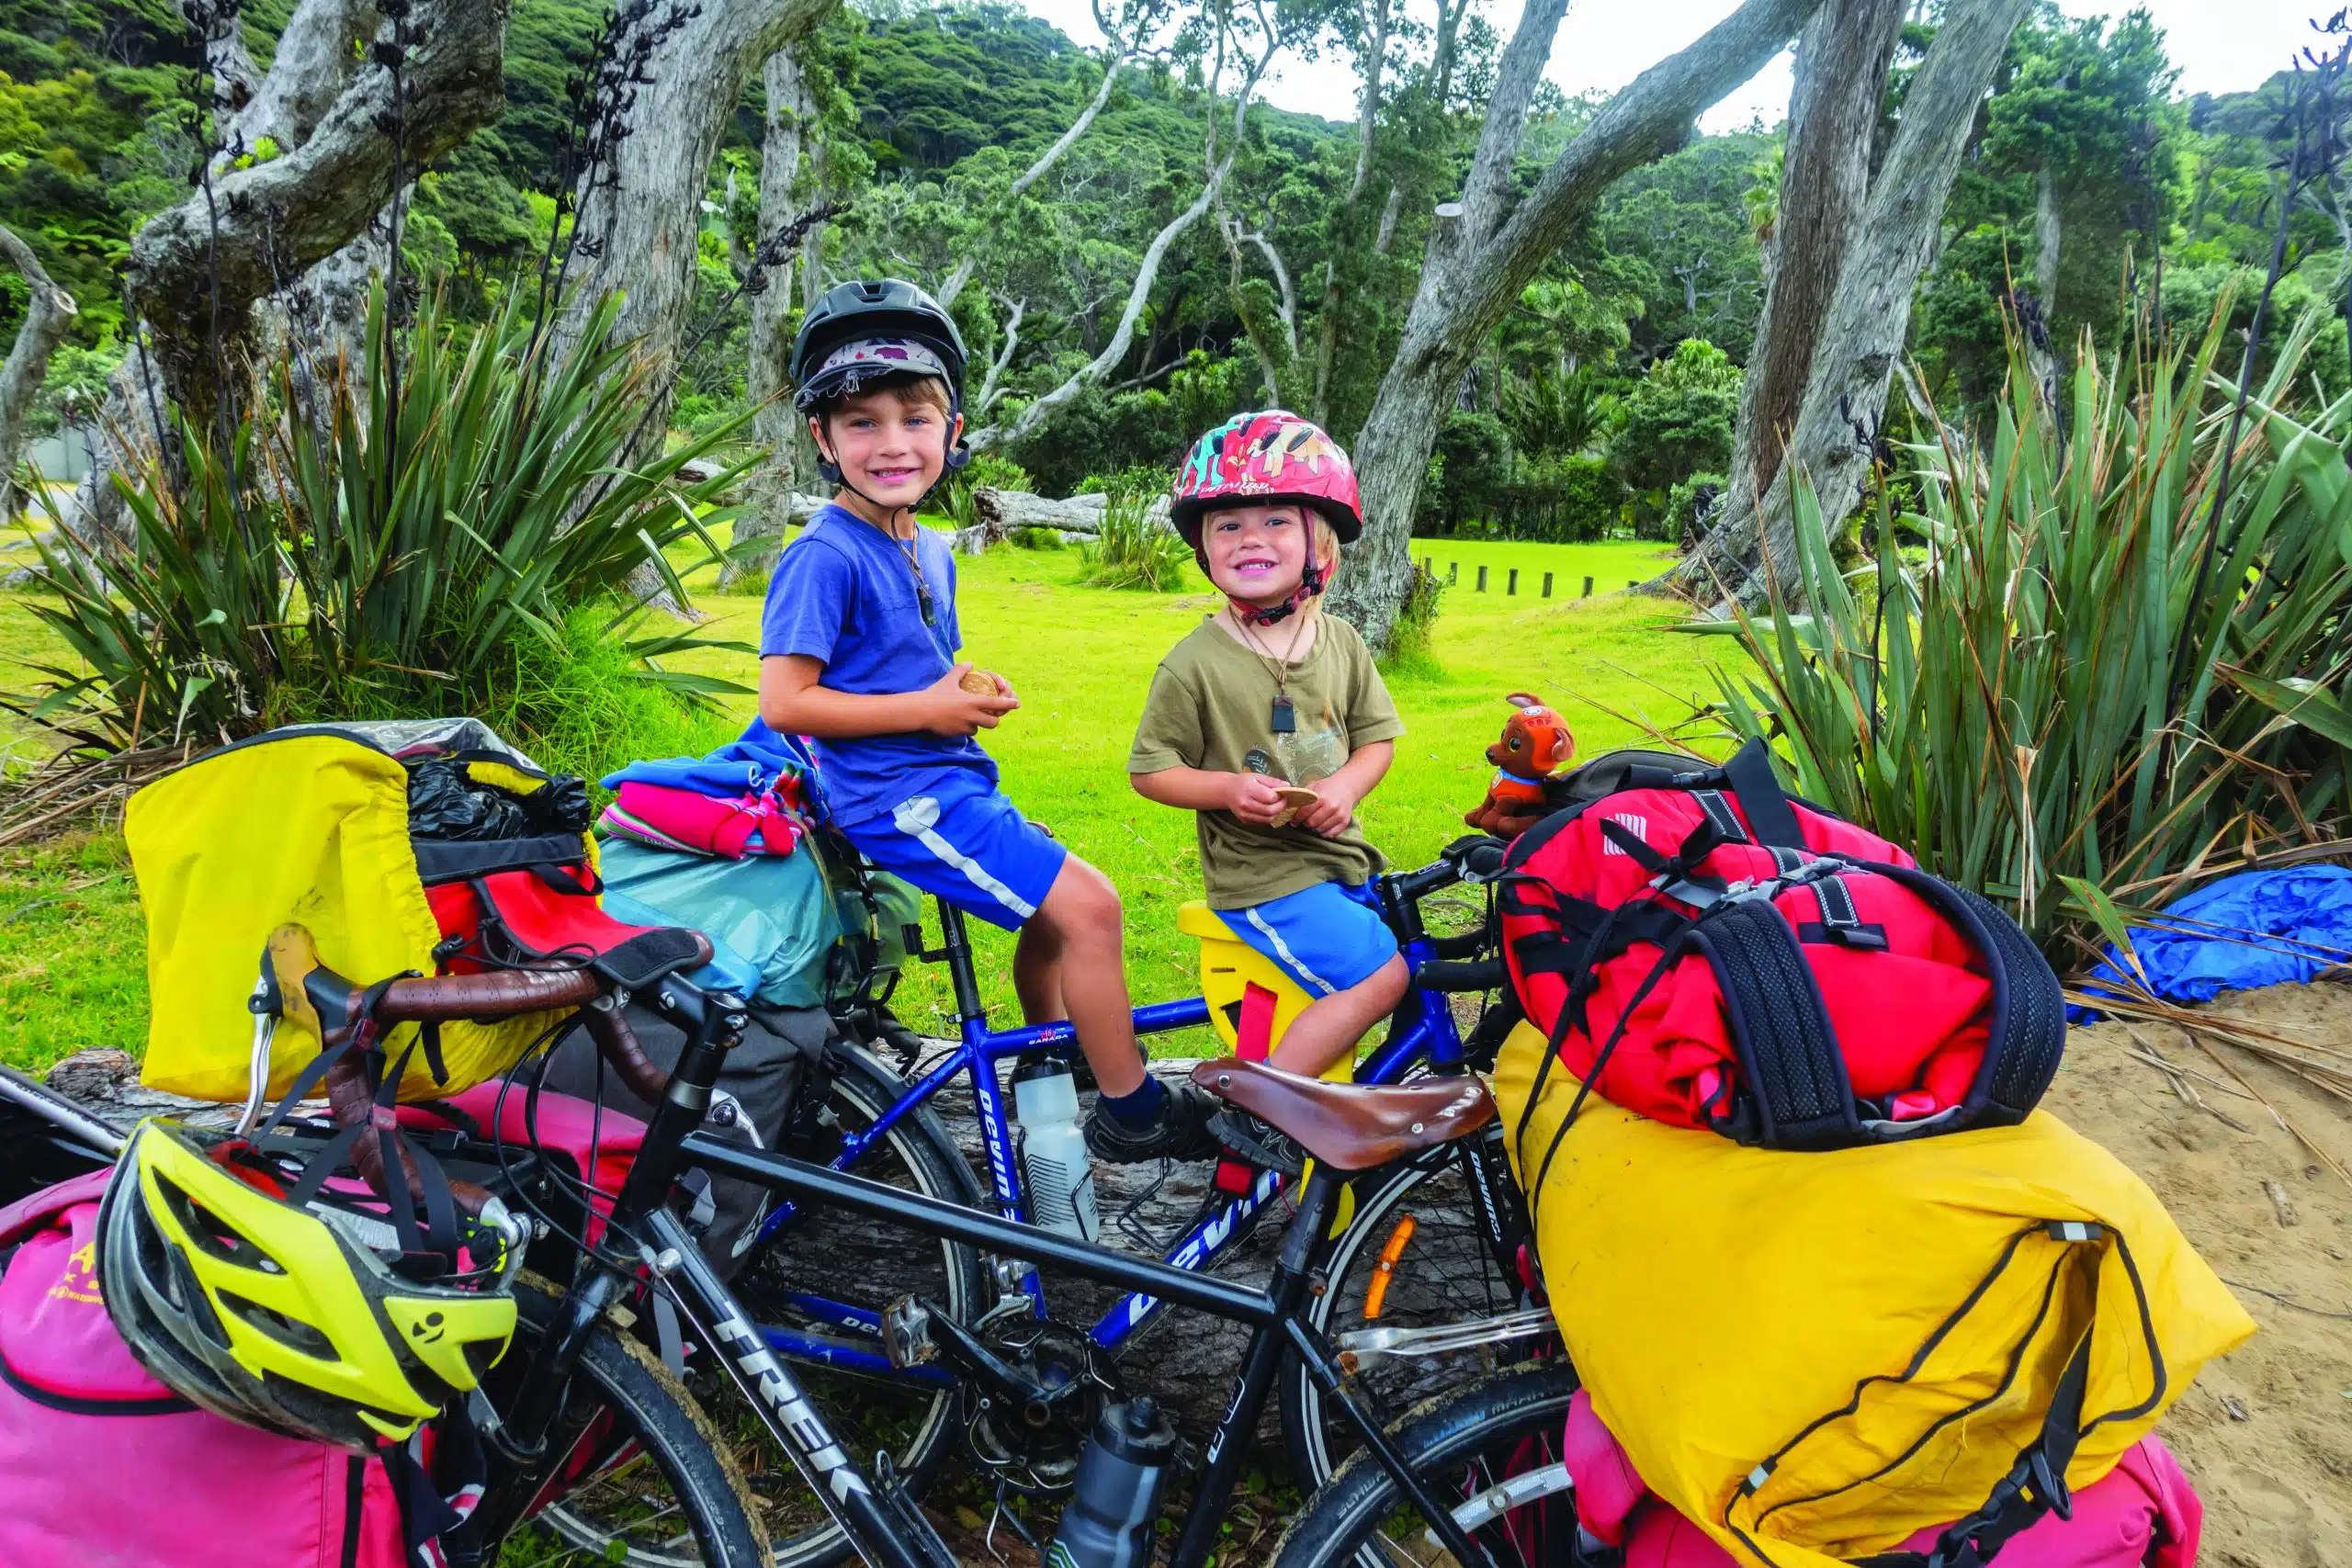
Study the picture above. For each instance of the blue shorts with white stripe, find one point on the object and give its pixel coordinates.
(964, 842)
(1327, 937)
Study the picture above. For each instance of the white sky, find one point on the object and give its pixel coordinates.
(2220, 46)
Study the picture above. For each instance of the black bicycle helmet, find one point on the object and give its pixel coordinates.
(868, 308)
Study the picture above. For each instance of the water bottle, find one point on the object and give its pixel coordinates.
(1053, 1151)
(1115, 1502)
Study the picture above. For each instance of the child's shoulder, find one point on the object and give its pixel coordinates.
(1204, 643)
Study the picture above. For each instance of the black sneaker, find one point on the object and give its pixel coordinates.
(1181, 1131)
(1257, 1141)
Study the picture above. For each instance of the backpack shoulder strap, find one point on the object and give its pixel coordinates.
(1779, 1025)
(1769, 814)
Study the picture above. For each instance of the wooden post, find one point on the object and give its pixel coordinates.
(1453, 572)
(1482, 579)
(1512, 586)
(1547, 585)
(1587, 588)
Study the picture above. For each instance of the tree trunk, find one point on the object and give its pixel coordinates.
(1845, 397)
(1841, 68)
(2046, 234)
(49, 316)
(640, 214)
(197, 270)
(1479, 265)
(791, 121)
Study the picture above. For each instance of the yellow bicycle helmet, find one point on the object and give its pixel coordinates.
(282, 1316)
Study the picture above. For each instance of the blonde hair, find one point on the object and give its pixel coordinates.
(1327, 556)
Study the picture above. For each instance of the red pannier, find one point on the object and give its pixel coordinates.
(1701, 949)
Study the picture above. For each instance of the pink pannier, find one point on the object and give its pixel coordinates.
(102, 1467)
(2142, 1514)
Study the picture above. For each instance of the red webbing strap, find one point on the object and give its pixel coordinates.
(1253, 1041)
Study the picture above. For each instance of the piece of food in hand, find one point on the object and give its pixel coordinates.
(979, 683)
(1295, 800)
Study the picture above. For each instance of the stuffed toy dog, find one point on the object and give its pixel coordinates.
(1535, 744)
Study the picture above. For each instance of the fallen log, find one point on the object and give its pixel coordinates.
(1003, 512)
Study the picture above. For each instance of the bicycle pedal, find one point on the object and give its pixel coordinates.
(906, 1334)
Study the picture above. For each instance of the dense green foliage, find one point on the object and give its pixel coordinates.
(2104, 676)
(389, 550)
(928, 113)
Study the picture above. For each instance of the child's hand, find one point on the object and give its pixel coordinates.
(1334, 808)
(950, 710)
(1254, 798)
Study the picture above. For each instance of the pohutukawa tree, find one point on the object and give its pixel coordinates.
(49, 316)
(1244, 44)
(681, 67)
(359, 94)
(1485, 249)
(358, 97)
(1841, 300)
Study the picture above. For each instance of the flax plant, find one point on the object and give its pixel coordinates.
(387, 530)
(2041, 704)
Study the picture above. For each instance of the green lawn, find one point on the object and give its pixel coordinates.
(1080, 657)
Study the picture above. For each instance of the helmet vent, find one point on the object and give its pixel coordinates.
(286, 1331)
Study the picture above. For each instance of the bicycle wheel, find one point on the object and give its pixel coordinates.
(1446, 1272)
(854, 1263)
(649, 1483)
(1490, 1451)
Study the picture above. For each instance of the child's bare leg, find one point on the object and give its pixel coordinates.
(1087, 978)
(1331, 1026)
(1037, 972)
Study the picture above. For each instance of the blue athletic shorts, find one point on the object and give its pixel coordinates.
(964, 842)
(1327, 937)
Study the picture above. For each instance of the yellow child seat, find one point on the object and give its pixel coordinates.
(1230, 968)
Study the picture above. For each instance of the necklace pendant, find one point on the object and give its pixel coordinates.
(1285, 721)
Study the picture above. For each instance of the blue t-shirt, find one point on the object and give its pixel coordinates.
(844, 594)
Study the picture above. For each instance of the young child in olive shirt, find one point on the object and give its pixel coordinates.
(1269, 693)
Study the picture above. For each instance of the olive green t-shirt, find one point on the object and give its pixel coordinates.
(1212, 706)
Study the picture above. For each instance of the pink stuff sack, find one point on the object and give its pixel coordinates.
(102, 1467)
(600, 1143)
(2142, 1514)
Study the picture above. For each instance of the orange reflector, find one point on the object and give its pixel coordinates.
(1375, 1293)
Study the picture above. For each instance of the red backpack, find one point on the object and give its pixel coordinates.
(1701, 949)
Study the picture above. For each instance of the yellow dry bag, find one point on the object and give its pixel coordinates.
(306, 825)
(1814, 1355)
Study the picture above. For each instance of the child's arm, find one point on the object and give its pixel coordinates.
(794, 704)
(1337, 795)
(1250, 796)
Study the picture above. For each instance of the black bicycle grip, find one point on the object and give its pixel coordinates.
(1474, 974)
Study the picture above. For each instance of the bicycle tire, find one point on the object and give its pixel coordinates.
(919, 1155)
(1462, 1445)
(1449, 1273)
(655, 1419)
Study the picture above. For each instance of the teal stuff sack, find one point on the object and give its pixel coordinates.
(776, 911)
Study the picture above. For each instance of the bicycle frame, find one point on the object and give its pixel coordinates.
(881, 1522)
(1273, 1313)
(1427, 1034)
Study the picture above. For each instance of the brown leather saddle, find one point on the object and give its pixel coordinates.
(1351, 1127)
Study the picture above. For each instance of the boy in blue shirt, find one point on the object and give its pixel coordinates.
(858, 646)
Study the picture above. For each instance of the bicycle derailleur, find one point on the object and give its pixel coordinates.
(1031, 1387)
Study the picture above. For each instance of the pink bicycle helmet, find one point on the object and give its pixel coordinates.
(1256, 459)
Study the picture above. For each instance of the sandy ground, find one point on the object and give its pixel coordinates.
(2267, 1432)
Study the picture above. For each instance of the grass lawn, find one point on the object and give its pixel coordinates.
(70, 964)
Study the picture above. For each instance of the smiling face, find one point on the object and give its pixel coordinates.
(1256, 554)
(891, 443)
